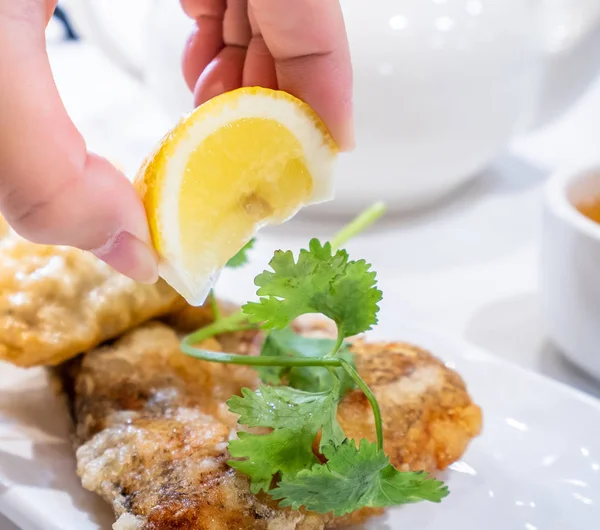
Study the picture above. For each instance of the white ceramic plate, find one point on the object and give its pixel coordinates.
(536, 467)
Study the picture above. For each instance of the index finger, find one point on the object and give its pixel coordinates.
(307, 39)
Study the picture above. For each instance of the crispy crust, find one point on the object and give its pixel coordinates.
(428, 416)
(56, 302)
(152, 429)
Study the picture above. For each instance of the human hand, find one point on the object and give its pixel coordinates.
(299, 46)
(53, 191)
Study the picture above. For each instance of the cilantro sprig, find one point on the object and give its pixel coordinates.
(296, 418)
(305, 380)
(288, 344)
(320, 281)
(354, 478)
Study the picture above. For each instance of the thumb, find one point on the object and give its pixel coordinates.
(51, 189)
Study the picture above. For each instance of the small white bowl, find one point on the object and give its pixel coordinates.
(570, 267)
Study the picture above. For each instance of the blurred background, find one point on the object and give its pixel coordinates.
(464, 109)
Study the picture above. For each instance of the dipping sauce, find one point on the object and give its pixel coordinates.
(590, 208)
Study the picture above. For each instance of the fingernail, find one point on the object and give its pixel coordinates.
(128, 255)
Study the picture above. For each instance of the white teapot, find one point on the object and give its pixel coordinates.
(145, 38)
(441, 86)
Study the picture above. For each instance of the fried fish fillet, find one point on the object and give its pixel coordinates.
(56, 302)
(152, 428)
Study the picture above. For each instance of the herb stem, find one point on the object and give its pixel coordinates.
(247, 360)
(214, 305)
(360, 223)
(370, 396)
(235, 322)
(338, 344)
(335, 387)
(326, 362)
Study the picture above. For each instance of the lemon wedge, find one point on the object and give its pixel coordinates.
(248, 158)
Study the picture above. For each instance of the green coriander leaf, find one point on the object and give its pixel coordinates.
(282, 407)
(406, 487)
(304, 378)
(285, 451)
(354, 299)
(296, 417)
(320, 281)
(241, 258)
(287, 343)
(355, 478)
(331, 430)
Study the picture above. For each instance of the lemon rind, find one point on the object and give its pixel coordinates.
(193, 129)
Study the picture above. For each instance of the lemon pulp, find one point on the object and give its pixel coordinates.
(242, 160)
(263, 179)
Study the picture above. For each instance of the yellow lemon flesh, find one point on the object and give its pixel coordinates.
(243, 160)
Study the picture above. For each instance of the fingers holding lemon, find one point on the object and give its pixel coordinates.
(243, 160)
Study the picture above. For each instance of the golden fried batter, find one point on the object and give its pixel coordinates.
(152, 428)
(56, 302)
(428, 416)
